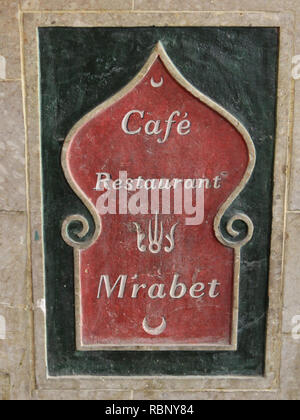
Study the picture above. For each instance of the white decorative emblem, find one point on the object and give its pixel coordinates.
(155, 238)
(157, 84)
(155, 331)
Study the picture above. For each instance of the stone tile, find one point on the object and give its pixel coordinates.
(13, 259)
(197, 396)
(76, 5)
(12, 160)
(291, 305)
(14, 316)
(14, 351)
(215, 5)
(290, 369)
(294, 193)
(4, 387)
(9, 40)
(294, 198)
(81, 395)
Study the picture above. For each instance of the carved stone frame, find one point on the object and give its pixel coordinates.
(29, 23)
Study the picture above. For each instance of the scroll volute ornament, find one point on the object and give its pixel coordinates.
(202, 141)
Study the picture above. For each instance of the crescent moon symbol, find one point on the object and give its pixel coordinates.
(157, 84)
(155, 331)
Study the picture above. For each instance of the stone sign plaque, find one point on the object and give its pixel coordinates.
(158, 270)
(157, 160)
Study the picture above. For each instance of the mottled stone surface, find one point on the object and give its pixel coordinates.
(76, 5)
(14, 311)
(290, 369)
(12, 154)
(15, 351)
(13, 259)
(294, 198)
(82, 395)
(239, 5)
(10, 39)
(291, 307)
(211, 396)
(4, 387)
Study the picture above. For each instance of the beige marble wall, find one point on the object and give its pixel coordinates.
(15, 313)
(17, 358)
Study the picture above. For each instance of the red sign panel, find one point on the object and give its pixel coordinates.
(157, 165)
